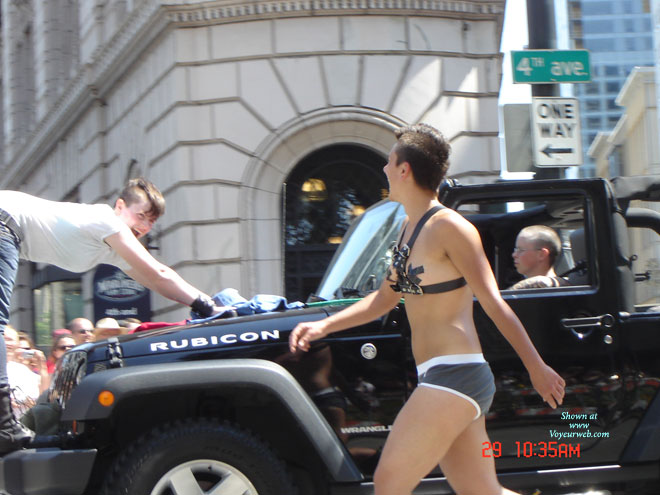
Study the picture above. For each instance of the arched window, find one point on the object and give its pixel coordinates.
(325, 192)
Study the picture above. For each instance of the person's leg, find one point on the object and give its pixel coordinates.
(466, 469)
(422, 433)
(8, 269)
(13, 435)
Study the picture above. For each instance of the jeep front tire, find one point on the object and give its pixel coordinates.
(197, 457)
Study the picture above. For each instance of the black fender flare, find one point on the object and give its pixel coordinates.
(254, 373)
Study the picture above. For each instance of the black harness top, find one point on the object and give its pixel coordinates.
(407, 279)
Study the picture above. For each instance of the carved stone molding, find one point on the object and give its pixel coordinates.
(231, 10)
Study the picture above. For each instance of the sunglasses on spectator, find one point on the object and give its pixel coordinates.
(64, 347)
(85, 331)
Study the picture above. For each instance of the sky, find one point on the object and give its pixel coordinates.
(514, 37)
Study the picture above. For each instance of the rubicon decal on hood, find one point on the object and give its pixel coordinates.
(215, 340)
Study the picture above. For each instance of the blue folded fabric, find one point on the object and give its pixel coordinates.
(261, 303)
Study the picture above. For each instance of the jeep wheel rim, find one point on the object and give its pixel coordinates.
(204, 477)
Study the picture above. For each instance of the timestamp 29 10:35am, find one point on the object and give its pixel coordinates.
(533, 449)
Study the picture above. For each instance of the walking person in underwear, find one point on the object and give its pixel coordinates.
(438, 266)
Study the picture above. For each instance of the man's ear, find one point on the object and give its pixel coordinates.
(545, 251)
(404, 169)
(120, 204)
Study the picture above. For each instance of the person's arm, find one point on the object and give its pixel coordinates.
(149, 272)
(465, 250)
(368, 309)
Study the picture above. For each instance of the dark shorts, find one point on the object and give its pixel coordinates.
(466, 375)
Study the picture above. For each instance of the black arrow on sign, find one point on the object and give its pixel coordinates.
(549, 150)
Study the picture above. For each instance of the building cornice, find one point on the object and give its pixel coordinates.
(151, 18)
(221, 11)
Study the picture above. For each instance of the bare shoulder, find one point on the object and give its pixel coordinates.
(448, 225)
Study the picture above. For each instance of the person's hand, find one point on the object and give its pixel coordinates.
(548, 384)
(304, 333)
(38, 361)
(223, 309)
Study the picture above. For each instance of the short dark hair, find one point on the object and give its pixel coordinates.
(139, 189)
(427, 152)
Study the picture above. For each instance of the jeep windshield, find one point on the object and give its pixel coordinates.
(360, 263)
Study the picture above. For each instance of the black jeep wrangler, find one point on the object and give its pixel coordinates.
(223, 407)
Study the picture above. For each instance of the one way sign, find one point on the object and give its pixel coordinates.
(556, 132)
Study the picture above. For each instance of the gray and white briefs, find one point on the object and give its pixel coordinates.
(466, 375)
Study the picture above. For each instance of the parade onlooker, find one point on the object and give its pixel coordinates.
(23, 382)
(82, 330)
(60, 332)
(106, 327)
(61, 344)
(32, 357)
(130, 324)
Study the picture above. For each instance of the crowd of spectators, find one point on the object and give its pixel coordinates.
(30, 370)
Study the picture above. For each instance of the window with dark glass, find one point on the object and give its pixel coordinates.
(326, 191)
(56, 302)
(611, 70)
(646, 42)
(592, 88)
(598, 26)
(612, 87)
(594, 122)
(600, 44)
(592, 105)
(596, 8)
(500, 221)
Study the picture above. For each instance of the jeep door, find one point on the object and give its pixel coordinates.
(368, 367)
(370, 384)
(571, 326)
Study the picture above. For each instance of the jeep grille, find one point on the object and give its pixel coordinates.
(68, 375)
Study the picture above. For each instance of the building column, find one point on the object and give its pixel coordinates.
(18, 68)
(55, 43)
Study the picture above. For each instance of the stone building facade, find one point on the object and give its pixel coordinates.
(218, 101)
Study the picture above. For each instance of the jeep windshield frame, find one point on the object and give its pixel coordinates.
(361, 262)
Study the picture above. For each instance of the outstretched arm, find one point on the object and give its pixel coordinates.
(148, 271)
(368, 309)
(466, 252)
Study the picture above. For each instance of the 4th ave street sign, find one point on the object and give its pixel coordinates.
(557, 141)
(550, 66)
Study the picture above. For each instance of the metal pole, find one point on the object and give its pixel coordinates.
(542, 35)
